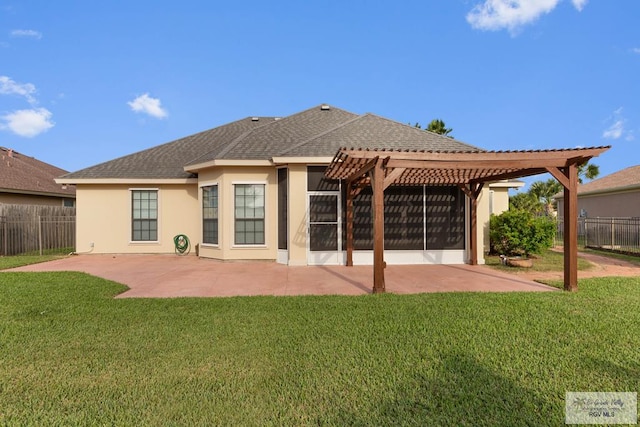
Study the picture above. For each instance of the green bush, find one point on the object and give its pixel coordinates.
(520, 233)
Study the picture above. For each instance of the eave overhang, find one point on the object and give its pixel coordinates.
(194, 168)
(152, 181)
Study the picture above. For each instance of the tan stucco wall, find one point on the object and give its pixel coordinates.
(104, 218)
(226, 177)
(297, 215)
(104, 215)
(29, 199)
(623, 204)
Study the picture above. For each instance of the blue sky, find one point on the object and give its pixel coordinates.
(84, 82)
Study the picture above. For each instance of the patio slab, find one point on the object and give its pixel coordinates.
(164, 276)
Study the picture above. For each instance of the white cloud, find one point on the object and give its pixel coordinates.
(33, 34)
(148, 105)
(579, 4)
(635, 50)
(28, 123)
(616, 129)
(512, 14)
(11, 87)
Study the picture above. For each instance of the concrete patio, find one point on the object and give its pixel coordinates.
(165, 276)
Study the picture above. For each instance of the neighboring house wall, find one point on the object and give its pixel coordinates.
(104, 217)
(618, 205)
(31, 199)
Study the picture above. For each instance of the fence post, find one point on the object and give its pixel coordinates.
(586, 232)
(40, 234)
(613, 233)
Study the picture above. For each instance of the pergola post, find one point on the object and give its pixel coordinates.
(377, 182)
(349, 223)
(571, 229)
(568, 177)
(473, 192)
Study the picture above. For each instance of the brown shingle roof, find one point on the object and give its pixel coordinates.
(279, 136)
(20, 173)
(167, 161)
(626, 178)
(374, 132)
(316, 132)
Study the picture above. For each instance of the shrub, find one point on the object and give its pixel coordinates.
(520, 233)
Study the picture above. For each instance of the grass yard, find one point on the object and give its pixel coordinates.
(70, 354)
(18, 261)
(548, 261)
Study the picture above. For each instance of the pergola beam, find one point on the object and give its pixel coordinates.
(582, 153)
(393, 176)
(504, 164)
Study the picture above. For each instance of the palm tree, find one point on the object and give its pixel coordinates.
(588, 171)
(544, 191)
(438, 126)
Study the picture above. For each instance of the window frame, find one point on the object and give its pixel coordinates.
(132, 219)
(202, 216)
(235, 185)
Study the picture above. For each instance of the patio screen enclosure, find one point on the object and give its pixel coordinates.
(416, 217)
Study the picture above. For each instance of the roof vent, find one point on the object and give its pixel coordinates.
(325, 107)
(255, 119)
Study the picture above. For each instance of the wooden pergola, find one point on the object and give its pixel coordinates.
(470, 171)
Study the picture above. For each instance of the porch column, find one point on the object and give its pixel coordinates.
(571, 229)
(349, 223)
(377, 182)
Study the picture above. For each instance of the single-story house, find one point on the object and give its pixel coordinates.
(612, 196)
(302, 190)
(25, 180)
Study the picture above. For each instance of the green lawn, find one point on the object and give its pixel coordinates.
(548, 261)
(70, 354)
(18, 261)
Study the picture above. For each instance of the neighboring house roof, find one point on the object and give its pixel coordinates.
(26, 175)
(626, 179)
(317, 132)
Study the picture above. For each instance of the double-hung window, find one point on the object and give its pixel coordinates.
(144, 215)
(210, 214)
(249, 214)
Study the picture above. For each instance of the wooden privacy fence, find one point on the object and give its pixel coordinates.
(613, 234)
(26, 229)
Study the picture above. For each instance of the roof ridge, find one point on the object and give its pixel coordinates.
(230, 145)
(278, 122)
(242, 136)
(308, 140)
(437, 135)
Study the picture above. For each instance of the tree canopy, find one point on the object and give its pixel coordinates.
(436, 126)
(539, 198)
